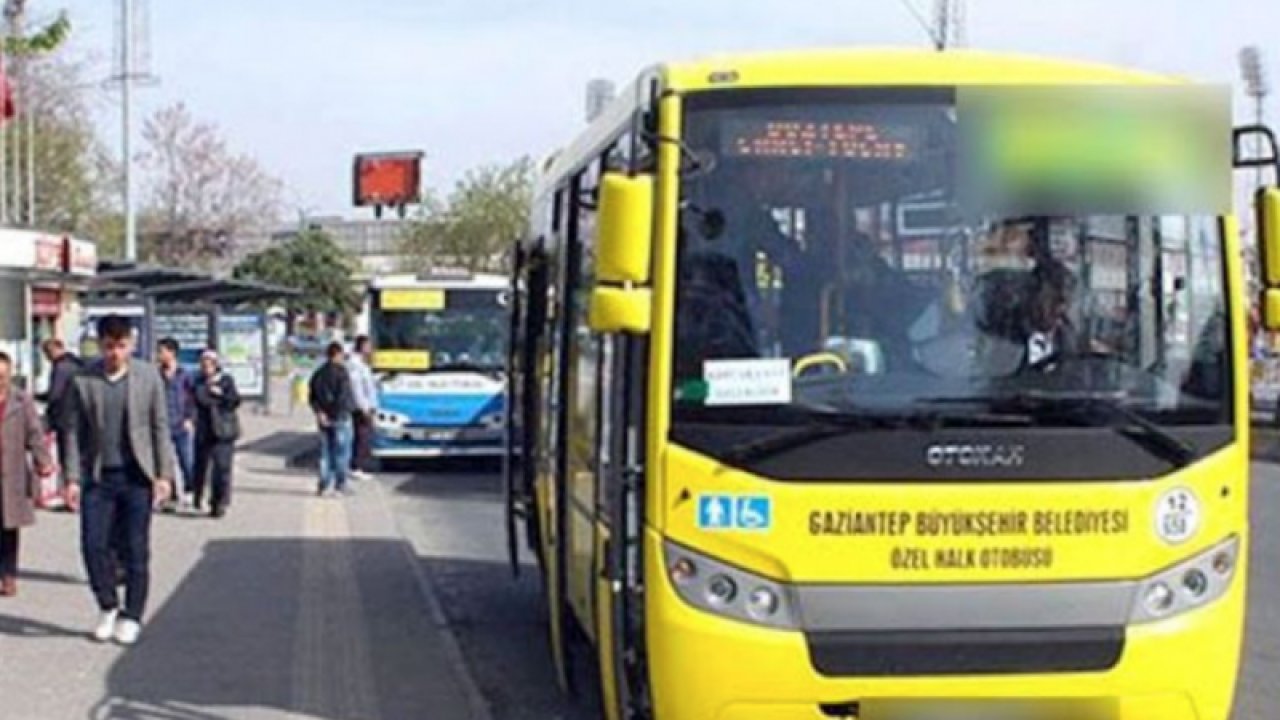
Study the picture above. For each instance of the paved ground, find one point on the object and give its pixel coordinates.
(290, 607)
(1258, 697)
(453, 517)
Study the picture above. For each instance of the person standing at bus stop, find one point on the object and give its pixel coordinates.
(180, 394)
(217, 429)
(365, 394)
(119, 449)
(333, 403)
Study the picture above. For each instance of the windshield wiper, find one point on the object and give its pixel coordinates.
(818, 428)
(822, 425)
(1122, 419)
(468, 367)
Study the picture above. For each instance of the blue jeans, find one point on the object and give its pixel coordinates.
(184, 453)
(115, 513)
(335, 455)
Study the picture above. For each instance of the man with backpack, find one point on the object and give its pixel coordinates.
(333, 402)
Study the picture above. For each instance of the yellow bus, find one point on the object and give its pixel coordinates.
(891, 384)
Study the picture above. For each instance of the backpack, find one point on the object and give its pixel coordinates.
(323, 390)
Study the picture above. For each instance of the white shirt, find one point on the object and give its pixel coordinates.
(363, 387)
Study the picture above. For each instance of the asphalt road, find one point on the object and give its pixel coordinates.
(453, 517)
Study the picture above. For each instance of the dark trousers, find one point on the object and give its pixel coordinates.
(8, 553)
(183, 452)
(362, 447)
(60, 444)
(213, 468)
(115, 517)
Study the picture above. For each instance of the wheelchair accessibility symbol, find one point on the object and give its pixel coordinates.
(750, 513)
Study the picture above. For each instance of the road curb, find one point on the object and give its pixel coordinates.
(1264, 444)
(476, 702)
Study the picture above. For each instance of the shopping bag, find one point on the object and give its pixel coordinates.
(47, 487)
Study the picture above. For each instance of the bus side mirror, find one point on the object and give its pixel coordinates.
(1271, 310)
(1268, 206)
(624, 246)
(629, 310)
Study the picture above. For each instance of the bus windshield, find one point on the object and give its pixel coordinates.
(824, 270)
(452, 329)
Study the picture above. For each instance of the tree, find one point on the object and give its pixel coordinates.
(312, 263)
(76, 180)
(47, 39)
(73, 178)
(200, 196)
(487, 210)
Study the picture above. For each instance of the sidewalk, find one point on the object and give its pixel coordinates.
(290, 607)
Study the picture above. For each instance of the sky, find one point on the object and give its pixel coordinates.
(303, 85)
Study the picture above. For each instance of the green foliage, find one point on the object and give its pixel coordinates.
(48, 39)
(312, 263)
(485, 213)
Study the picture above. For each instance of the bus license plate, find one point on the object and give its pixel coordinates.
(1042, 710)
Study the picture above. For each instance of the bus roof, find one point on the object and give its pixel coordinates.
(896, 67)
(478, 281)
(832, 68)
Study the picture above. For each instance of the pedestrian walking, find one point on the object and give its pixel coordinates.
(217, 429)
(64, 366)
(364, 390)
(119, 468)
(179, 390)
(22, 451)
(332, 402)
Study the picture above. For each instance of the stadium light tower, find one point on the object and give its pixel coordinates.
(1255, 86)
(948, 26)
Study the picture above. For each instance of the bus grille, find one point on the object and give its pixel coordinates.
(965, 652)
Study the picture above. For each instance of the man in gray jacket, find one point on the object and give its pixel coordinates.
(119, 467)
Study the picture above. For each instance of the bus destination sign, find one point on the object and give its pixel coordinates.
(819, 140)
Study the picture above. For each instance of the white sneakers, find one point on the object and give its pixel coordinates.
(127, 631)
(106, 628)
(112, 627)
(360, 475)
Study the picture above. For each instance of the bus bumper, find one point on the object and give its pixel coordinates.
(704, 667)
(443, 442)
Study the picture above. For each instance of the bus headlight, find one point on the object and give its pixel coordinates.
(493, 420)
(1195, 583)
(721, 591)
(1159, 599)
(727, 591)
(391, 419)
(763, 602)
(1187, 586)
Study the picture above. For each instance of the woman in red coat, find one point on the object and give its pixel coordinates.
(21, 438)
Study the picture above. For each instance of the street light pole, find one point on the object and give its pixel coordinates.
(126, 129)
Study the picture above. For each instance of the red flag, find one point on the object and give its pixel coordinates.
(7, 109)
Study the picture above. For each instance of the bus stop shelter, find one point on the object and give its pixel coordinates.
(198, 309)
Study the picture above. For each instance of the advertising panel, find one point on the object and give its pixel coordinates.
(242, 345)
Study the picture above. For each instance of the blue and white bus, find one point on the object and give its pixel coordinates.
(439, 347)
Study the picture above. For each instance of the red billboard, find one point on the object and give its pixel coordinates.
(390, 179)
